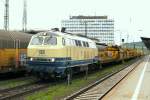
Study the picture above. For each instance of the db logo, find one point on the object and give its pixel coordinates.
(41, 51)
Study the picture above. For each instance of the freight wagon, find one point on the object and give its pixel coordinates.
(13, 50)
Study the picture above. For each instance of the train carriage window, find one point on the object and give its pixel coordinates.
(84, 44)
(76, 42)
(79, 42)
(37, 41)
(87, 44)
(50, 41)
(63, 41)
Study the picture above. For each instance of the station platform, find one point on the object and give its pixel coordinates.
(136, 86)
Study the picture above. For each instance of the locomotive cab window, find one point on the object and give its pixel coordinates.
(37, 41)
(50, 41)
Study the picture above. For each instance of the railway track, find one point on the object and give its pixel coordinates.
(6, 84)
(18, 91)
(100, 88)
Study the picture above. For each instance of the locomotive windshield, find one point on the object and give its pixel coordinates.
(50, 41)
(42, 40)
(37, 41)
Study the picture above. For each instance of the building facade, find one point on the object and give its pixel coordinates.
(98, 27)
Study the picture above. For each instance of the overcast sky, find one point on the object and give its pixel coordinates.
(130, 15)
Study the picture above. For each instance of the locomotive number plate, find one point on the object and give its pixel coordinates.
(41, 52)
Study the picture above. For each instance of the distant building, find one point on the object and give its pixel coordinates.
(99, 27)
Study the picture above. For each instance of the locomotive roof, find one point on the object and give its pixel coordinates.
(65, 35)
(14, 35)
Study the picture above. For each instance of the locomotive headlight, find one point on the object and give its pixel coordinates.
(31, 59)
(53, 59)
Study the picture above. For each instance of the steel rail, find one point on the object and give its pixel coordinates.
(21, 90)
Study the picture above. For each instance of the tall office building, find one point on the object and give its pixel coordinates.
(99, 27)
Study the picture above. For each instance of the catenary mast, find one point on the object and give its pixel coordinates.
(24, 19)
(6, 15)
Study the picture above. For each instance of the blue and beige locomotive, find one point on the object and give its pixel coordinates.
(54, 53)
